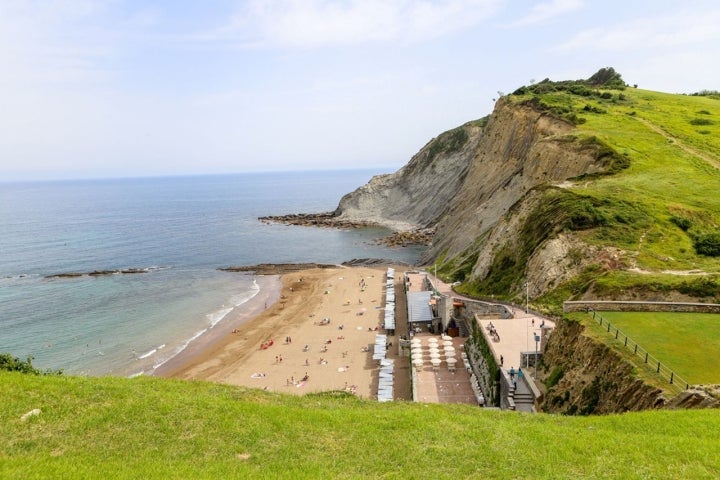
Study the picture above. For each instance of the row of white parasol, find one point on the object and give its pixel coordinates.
(433, 351)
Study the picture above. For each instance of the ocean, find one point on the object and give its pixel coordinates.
(177, 229)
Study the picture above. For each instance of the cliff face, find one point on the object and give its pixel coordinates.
(586, 377)
(521, 148)
(464, 191)
(418, 194)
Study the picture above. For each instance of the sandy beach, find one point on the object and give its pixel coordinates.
(338, 354)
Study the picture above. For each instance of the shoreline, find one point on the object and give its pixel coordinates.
(338, 355)
(269, 293)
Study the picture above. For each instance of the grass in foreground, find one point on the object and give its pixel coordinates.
(686, 342)
(156, 428)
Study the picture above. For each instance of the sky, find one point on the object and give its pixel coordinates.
(128, 88)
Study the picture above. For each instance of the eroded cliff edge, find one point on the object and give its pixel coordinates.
(417, 195)
(583, 376)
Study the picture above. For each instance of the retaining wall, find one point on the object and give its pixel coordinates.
(626, 306)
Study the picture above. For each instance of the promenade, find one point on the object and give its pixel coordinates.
(438, 384)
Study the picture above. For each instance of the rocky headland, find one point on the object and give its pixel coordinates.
(502, 204)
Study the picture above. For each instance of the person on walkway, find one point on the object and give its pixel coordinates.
(501, 360)
(512, 373)
(520, 373)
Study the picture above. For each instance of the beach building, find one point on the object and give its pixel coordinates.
(500, 344)
(439, 369)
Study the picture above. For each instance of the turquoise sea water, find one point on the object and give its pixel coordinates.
(179, 228)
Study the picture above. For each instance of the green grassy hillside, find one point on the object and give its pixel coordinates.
(156, 428)
(673, 175)
(658, 203)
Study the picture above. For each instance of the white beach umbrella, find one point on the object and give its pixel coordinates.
(449, 351)
(447, 343)
(417, 351)
(432, 340)
(434, 350)
(451, 361)
(435, 362)
(434, 355)
(418, 362)
(446, 337)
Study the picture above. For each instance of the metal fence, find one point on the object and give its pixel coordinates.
(653, 363)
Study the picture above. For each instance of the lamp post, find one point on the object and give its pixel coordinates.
(527, 297)
(537, 339)
(527, 345)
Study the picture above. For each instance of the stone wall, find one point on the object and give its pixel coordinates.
(629, 306)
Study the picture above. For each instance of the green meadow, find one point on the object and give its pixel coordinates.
(156, 428)
(687, 343)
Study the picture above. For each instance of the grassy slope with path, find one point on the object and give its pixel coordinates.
(673, 174)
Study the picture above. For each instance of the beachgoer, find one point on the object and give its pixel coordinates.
(501, 360)
(520, 373)
(512, 372)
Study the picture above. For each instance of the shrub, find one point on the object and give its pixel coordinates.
(14, 364)
(554, 377)
(593, 109)
(681, 222)
(707, 244)
(607, 77)
(701, 121)
(700, 287)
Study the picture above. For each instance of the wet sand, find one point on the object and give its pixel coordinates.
(335, 358)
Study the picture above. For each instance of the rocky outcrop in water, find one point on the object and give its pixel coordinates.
(275, 268)
(99, 273)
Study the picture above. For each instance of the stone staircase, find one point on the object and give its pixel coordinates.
(462, 328)
(523, 397)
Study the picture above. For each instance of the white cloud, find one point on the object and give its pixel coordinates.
(311, 23)
(699, 27)
(546, 11)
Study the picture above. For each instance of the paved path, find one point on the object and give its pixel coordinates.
(517, 334)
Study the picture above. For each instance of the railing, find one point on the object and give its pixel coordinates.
(653, 363)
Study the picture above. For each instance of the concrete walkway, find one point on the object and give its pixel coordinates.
(516, 334)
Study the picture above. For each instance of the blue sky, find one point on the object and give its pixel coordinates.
(139, 88)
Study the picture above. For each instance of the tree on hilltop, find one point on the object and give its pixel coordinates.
(606, 77)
